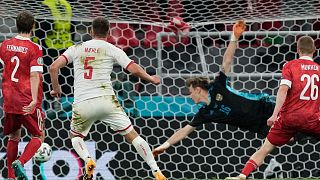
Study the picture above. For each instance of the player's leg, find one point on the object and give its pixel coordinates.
(12, 151)
(30, 149)
(80, 147)
(34, 125)
(277, 136)
(255, 160)
(12, 128)
(120, 122)
(117, 119)
(311, 126)
(82, 119)
(145, 152)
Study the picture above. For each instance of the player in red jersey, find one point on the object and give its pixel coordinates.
(297, 105)
(22, 94)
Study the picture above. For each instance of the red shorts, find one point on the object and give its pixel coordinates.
(288, 125)
(34, 123)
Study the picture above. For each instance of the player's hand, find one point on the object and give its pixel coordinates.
(155, 80)
(271, 120)
(158, 150)
(29, 109)
(239, 28)
(56, 94)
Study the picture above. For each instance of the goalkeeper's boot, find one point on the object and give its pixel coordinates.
(159, 176)
(19, 170)
(88, 175)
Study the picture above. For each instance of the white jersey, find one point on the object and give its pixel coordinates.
(93, 63)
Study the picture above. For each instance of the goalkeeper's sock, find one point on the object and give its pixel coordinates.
(81, 148)
(144, 151)
(12, 153)
(30, 149)
(249, 167)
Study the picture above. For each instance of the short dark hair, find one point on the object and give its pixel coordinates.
(201, 82)
(25, 22)
(306, 45)
(100, 27)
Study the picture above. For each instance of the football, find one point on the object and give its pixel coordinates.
(44, 153)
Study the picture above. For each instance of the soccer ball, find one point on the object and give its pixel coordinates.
(44, 153)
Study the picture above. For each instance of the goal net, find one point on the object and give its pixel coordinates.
(138, 27)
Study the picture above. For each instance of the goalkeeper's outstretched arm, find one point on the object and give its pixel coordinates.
(176, 137)
(238, 29)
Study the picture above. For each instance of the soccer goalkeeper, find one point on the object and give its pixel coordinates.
(224, 104)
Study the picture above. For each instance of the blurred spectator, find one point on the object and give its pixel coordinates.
(122, 35)
(60, 36)
(272, 39)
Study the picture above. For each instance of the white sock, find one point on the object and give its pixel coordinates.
(81, 148)
(144, 151)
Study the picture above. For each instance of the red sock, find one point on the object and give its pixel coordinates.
(12, 153)
(30, 149)
(249, 167)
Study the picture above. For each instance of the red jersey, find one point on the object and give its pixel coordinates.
(20, 57)
(303, 77)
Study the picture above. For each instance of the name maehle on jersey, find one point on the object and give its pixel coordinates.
(93, 63)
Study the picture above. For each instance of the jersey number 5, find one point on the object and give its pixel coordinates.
(311, 82)
(15, 58)
(88, 69)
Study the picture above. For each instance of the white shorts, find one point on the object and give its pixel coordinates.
(104, 108)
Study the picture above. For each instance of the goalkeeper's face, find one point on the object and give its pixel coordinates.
(195, 94)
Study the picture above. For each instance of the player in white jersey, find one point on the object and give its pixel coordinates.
(94, 96)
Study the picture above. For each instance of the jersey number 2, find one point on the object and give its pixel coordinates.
(88, 69)
(15, 58)
(311, 82)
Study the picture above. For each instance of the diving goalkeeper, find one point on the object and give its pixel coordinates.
(222, 104)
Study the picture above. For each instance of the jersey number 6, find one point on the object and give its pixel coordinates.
(88, 69)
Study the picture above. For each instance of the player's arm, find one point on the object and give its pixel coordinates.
(238, 29)
(34, 84)
(36, 69)
(137, 70)
(285, 85)
(281, 97)
(54, 72)
(34, 81)
(121, 58)
(176, 137)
